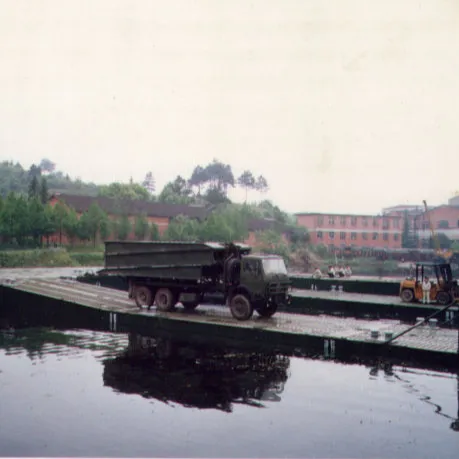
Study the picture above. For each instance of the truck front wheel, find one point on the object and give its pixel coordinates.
(241, 307)
(165, 300)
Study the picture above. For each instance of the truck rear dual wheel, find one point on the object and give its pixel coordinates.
(143, 296)
(241, 307)
(165, 300)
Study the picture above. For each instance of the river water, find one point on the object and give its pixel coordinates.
(92, 393)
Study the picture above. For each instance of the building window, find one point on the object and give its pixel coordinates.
(375, 222)
(343, 221)
(353, 236)
(375, 236)
(385, 223)
(425, 226)
(353, 221)
(331, 220)
(364, 236)
(385, 237)
(396, 223)
(320, 220)
(364, 221)
(319, 234)
(395, 237)
(443, 224)
(331, 235)
(342, 235)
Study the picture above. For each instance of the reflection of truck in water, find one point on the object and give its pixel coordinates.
(196, 375)
(164, 273)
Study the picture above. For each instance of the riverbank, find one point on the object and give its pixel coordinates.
(53, 257)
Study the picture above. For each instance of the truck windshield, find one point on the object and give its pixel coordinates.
(274, 266)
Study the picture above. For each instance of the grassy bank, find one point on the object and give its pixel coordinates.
(59, 257)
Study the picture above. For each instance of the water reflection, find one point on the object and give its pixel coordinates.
(196, 375)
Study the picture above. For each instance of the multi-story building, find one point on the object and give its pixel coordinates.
(344, 230)
(444, 219)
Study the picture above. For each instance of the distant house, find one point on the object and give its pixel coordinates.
(155, 212)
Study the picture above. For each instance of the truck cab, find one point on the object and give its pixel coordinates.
(263, 280)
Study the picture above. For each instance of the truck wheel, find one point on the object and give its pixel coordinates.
(241, 307)
(143, 296)
(267, 310)
(165, 299)
(443, 298)
(407, 295)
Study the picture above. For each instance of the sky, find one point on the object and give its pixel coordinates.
(344, 106)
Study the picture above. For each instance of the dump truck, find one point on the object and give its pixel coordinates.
(166, 273)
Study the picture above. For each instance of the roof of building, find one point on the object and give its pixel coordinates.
(132, 207)
(343, 215)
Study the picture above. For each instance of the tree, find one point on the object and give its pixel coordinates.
(129, 191)
(140, 227)
(47, 166)
(83, 227)
(44, 190)
(61, 213)
(271, 242)
(93, 218)
(50, 225)
(154, 232)
(15, 218)
(181, 228)
(261, 184)
(123, 228)
(409, 240)
(176, 192)
(34, 171)
(70, 225)
(149, 183)
(34, 187)
(36, 220)
(104, 228)
(219, 176)
(198, 178)
(247, 181)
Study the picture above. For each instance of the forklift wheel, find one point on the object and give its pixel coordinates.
(407, 295)
(443, 298)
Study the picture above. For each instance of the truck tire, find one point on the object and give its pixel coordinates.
(267, 310)
(241, 307)
(165, 300)
(143, 296)
(407, 295)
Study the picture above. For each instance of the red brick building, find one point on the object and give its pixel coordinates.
(444, 219)
(158, 213)
(360, 231)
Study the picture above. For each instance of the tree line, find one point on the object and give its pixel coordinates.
(209, 183)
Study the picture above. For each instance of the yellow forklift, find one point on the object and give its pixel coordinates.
(444, 288)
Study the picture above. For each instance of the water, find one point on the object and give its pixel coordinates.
(82, 392)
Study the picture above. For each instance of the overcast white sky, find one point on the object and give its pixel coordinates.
(344, 106)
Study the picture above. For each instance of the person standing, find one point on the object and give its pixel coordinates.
(426, 286)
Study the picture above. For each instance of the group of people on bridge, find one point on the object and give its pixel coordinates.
(334, 271)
